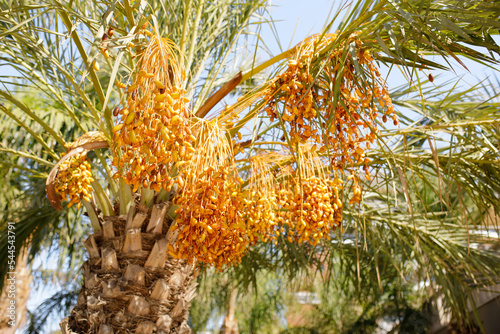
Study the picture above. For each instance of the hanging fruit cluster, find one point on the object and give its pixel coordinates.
(261, 215)
(296, 200)
(329, 103)
(153, 133)
(73, 180)
(291, 89)
(310, 201)
(261, 210)
(314, 209)
(209, 218)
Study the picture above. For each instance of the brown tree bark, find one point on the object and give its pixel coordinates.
(131, 284)
(22, 283)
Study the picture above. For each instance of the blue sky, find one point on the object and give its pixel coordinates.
(297, 19)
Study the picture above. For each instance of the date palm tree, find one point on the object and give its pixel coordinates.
(300, 170)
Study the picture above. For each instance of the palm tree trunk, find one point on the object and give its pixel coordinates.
(22, 291)
(131, 284)
(230, 325)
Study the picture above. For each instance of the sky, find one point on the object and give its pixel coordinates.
(295, 20)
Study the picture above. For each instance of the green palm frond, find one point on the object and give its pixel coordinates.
(405, 32)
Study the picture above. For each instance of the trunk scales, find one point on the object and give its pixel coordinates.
(131, 284)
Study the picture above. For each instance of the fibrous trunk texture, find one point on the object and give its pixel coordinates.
(131, 284)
